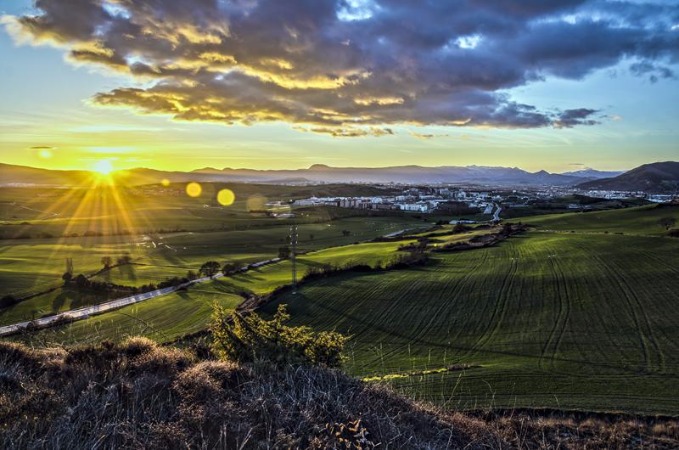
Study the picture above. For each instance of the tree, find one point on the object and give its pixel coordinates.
(191, 275)
(125, 259)
(81, 280)
(209, 269)
(284, 252)
(250, 338)
(69, 266)
(667, 222)
(229, 267)
(67, 276)
(107, 261)
(346, 233)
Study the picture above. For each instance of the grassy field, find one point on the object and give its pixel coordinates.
(162, 319)
(37, 264)
(563, 321)
(641, 221)
(164, 227)
(566, 316)
(167, 316)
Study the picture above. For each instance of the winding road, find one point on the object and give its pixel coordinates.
(87, 311)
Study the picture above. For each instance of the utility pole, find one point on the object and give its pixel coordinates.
(293, 259)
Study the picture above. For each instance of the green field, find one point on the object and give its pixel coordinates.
(163, 319)
(640, 221)
(168, 316)
(579, 313)
(237, 233)
(563, 321)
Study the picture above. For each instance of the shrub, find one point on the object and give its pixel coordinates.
(8, 300)
(252, 339)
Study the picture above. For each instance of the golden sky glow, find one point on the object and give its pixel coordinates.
(343, 92)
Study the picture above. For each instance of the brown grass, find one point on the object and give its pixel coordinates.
(140, 395)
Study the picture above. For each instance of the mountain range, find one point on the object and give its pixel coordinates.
(652, 177)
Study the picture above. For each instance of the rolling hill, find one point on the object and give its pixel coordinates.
(660, 177)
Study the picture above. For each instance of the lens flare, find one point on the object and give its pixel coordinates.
(226, 197)
(193, 189)
(165, 182)
(256, 203)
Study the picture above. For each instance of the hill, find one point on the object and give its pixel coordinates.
(141, 395)
(593, 173)
(660, 177)
(11, 175)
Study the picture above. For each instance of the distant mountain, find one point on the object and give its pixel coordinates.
(593, 174)
(399, 174)
(11, 175)
(318, 173)
(660, 177)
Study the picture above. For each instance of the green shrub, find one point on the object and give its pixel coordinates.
(250, 338)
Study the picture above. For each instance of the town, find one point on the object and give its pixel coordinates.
(471, 200)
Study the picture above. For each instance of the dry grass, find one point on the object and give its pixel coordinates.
(140, 395)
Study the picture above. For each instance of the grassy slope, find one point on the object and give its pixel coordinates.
(577, 320)
(163, 319)
(550, 319)
(139, 395)
(582, 320)
(30, 265)
(34, 266)
(642, 220)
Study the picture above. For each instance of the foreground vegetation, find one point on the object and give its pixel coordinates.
(139, 395)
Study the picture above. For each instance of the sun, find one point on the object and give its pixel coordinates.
(103, 167)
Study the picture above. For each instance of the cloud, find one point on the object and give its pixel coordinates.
(426, 136)
(42, 147)
(354, 67)
(654, 72)
(573, 117)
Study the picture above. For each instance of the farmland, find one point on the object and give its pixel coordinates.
(543, 320)
(577, 314)
(161, 230)
(163, 319)
(167, 316)
(640, 221)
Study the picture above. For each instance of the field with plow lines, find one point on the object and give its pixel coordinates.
(541, 320)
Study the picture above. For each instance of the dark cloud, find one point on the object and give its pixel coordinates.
(572, 117)
(41, 147)
(354, 68)
(654, 72)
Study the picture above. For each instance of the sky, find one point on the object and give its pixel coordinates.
(270, 84)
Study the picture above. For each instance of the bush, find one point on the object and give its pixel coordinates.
(8, 300)
(674, 232)
(461, 228)
(252, 339)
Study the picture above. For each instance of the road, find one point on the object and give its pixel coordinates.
(496, 214)
(87, 311)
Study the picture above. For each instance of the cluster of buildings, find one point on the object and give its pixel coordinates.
(621, 195)
(412, 200)
(447, 199)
